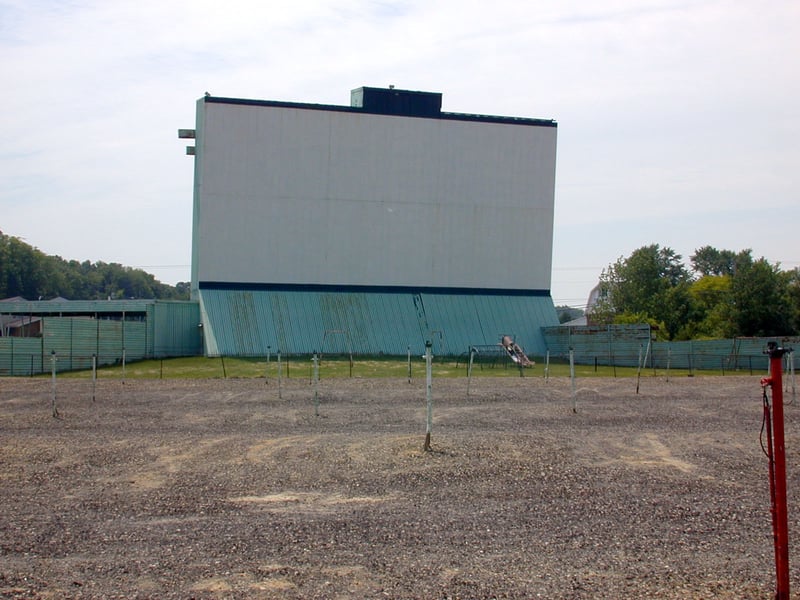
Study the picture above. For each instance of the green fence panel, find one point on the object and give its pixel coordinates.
(627, 345)
(20, 356)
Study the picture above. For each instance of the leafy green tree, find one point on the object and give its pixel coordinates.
(653, 282)
(761, 300)
(735, 295)
(22, 271)
(793, 283)
(183, 290)
(565, 313)
(678, 309)
(26, 271)
(711, 295)
(710, 261)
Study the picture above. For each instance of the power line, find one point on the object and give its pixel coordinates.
(162, 266)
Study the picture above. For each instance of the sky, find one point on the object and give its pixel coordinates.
(678, 121)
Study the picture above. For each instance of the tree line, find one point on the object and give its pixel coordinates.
(724, 294)
(30, 273)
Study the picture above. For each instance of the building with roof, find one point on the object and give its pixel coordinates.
(370, 228)
(78, 332)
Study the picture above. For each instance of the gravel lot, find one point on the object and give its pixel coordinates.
(221, 489)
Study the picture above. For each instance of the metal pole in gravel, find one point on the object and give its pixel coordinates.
(669, 360)
(94, 375)
(572, 380)
(279, 374)
(469, 369)
(53, 370)
(409, 364)
(315, 361)
(547, 366)
(429, 388)
(639, 369)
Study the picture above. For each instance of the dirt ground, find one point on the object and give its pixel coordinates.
(221, 489)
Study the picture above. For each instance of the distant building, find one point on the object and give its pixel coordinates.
(595, 295)
(79, 331)
(371, 227)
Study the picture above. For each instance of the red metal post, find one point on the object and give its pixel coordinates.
(780, 517)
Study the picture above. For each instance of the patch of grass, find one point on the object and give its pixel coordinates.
(198, 367)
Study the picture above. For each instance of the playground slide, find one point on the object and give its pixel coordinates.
(515, 352)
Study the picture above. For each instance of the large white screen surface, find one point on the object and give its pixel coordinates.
(296, 196)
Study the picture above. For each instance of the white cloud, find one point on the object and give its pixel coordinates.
(668, 111)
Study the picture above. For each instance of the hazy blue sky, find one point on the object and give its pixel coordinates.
(679, 121)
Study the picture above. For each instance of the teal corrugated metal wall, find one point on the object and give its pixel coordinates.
(253, 322)
(458, 322)
(173, 329)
